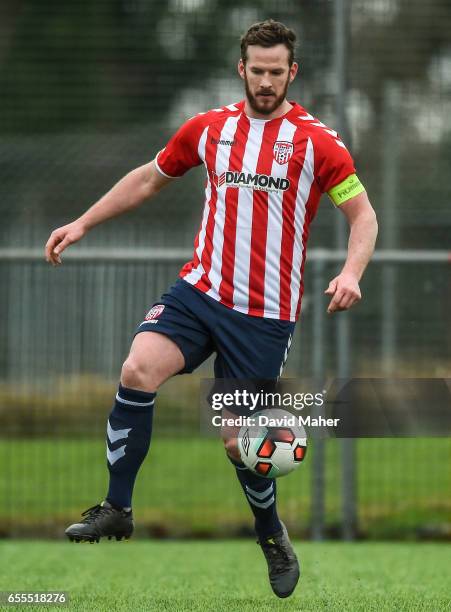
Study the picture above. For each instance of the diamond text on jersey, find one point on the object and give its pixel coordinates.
(261, 182)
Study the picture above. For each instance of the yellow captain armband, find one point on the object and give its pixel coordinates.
(346, 190)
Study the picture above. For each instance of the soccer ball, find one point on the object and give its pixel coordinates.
(274, 445)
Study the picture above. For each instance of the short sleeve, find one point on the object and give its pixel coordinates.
(335, 164)
(181, 152)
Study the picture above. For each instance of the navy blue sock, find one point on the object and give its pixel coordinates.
(128, 439)
(261, 495)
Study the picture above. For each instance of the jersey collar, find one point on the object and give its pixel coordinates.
(295, 110)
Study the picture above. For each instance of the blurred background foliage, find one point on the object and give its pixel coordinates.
(89, 90)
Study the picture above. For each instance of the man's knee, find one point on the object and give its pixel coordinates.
(152, 360)
(231, 448)
(135, 375)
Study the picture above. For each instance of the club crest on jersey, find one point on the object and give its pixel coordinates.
(283, 151)
(154, 312)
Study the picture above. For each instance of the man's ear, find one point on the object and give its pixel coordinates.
(241, 68)
(293, 71)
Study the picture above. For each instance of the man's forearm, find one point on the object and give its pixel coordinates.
(136, 187)
(362, 240)
(127, 194)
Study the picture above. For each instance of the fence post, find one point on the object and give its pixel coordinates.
(389, 236)
(318, 461)
(348, 488)
(348, 455)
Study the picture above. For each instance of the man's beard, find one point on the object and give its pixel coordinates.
(257, 103)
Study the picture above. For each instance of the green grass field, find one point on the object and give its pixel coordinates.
(187, 485)
(229, 575)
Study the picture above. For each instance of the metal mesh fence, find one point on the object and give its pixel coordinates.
(61, 365)
(89, 91)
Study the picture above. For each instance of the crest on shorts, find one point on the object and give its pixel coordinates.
(283, 151)
(154, 312)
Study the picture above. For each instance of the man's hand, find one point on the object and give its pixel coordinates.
(61, 238)
(362, 220)
(346, 291)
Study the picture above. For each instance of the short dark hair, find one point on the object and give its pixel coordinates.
(269, 33)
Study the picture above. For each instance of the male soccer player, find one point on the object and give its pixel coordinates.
(267, 162)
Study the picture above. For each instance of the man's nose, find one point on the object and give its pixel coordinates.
(265, 83)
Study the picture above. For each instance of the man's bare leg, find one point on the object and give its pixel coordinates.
(153, 358)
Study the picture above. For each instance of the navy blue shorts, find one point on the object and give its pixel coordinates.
(246, 347)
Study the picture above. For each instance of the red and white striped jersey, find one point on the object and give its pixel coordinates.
(264, 182)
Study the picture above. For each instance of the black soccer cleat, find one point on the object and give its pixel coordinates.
(100, 521)
(283, 566)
